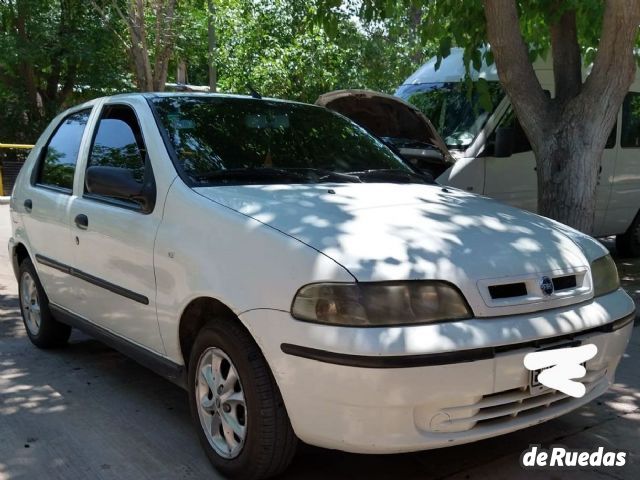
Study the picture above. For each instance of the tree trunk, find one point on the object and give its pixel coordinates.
(568, 132)
(26, 65)
(568, 173)
(211, 33)
(181, 73)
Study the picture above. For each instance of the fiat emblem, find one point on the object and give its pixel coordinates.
(546, 285)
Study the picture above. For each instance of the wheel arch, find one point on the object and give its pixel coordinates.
(18, 254)
(195, 316)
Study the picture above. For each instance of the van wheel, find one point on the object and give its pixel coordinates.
(43, 330)
(628, 243)
(241, 419)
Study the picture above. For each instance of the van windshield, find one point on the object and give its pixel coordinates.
(455, 116)
(220, 140)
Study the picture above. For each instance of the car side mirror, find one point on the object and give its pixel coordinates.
(503, 146)
(119, 183)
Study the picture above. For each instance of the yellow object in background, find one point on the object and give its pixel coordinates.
(16, 145)
(11, 145)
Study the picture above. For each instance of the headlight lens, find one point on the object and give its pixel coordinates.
(605, 276)
(379, 304)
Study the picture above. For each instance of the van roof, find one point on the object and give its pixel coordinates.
(452, 70)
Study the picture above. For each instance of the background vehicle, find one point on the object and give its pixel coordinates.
(400, 125)
(300, 280)
(493, 155)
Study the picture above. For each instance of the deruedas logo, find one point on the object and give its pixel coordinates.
(537, 457)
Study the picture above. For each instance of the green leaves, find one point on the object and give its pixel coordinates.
(484, 95)
(299, 50)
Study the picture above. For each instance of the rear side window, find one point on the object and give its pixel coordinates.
(60, 156)
(630, 135)
(118, 142)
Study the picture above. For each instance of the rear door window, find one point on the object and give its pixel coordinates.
(60, 156)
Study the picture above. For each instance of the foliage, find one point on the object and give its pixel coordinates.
(451, 23)
(149, 38)
(277, 47)
(52, 53)
(76, 50)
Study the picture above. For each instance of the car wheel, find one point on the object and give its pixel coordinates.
(235, 403)
(628, 243)
(43, 330)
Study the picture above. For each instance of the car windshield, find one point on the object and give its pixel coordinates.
(457, 117)
(228, 140)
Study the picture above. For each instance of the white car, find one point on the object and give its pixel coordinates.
(300, 280)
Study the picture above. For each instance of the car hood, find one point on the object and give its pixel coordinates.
(383, 115)
(384, 232)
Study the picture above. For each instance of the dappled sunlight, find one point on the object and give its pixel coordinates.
(397, 232)
(34, 399)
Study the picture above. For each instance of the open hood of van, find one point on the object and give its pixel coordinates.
(383, 115)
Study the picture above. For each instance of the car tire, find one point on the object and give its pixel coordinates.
(250, 436)
(628, 243)
(43, 330)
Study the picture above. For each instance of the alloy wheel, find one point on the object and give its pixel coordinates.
(30, 302)
(221, 403)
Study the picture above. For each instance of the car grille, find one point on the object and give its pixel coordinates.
(525, 293)
(503, 407)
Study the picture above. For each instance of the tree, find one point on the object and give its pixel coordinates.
(51, 53)
(211, 44)
(151, 37)
(279, 48)
(568, 131)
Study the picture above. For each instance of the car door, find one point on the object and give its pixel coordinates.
(114, 238)
(44, 203)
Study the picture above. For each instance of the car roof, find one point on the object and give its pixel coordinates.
(151, 95)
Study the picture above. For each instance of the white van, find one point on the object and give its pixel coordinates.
(508, 172)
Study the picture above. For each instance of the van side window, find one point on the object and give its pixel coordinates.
(520, 141)
(58, 159)
(118, 142)
(630, 134)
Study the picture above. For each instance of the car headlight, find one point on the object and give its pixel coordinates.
(605, 276)
(379, 304)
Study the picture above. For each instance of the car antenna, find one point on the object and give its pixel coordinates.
(253, 92)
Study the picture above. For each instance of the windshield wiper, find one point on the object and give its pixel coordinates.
(235, 175)
(392, 176)
(323, 174)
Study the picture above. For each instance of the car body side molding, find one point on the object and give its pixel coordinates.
(136, 297)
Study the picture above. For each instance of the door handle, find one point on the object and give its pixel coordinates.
(28, 205)
(82, 221)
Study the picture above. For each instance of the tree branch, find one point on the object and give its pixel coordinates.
(514, 68)
(105, 18)
(615, 54)
(567, 61)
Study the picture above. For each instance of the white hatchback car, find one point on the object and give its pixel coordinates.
(301, 280)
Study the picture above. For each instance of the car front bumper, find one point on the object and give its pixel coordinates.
(401, 389)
